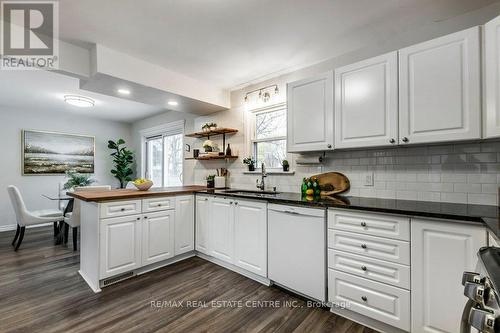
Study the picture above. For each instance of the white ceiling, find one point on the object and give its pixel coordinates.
(43, 90)
(229, 43)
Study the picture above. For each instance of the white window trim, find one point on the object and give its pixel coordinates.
(252, 135)
(174, 127)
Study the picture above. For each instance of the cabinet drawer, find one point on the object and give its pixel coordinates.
(370, 224)
(382, 271)
(120, 208)
(374, 247)
(158, 204)
(376, 300)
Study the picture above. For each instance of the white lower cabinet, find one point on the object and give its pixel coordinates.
(202, 224)
(184, 224)
(221, 229)
(120, 245)
(250, 236)
(158, 236)
(441, 252)
(376, 300)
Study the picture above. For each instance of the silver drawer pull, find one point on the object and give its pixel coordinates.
(363, 268)
(363, 224)
(290, 212)
(364, 298)
(363, 246)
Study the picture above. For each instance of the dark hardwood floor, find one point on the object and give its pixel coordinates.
(41, 291)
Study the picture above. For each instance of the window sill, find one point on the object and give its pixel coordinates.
(270, 172)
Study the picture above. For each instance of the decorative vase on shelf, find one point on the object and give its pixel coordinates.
(228, 150)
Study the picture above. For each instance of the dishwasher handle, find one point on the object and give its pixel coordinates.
(309, 212)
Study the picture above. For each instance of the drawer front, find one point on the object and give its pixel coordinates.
(378, 270)
(376, 300)
(374, 247)
(120, 208)
(370, 224)
(158, 204)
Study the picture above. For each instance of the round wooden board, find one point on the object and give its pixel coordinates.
(338, 180)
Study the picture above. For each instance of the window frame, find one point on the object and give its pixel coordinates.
(253, 135)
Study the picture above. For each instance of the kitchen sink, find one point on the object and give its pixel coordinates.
(250, 192)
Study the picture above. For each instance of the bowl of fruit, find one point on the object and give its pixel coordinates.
(143, 184)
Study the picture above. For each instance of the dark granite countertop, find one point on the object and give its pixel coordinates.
(481, 214)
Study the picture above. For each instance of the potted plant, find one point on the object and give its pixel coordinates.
(250, 162)
(210, 181)
(205, 127)
(123, 159)
(286, 165)
(76, 179)
(213, 126)
(208, 145)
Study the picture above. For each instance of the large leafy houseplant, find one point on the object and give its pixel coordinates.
(123, 159)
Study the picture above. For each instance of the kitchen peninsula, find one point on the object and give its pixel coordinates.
(126, 232)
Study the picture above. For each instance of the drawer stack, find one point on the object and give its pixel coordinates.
(369, 265)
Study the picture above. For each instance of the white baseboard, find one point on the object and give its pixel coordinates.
(11, 227)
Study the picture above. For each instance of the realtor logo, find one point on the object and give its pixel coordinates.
(29, 35)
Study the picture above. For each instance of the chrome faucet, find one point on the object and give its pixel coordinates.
(262, 184)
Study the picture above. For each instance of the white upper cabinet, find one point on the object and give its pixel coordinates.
(492, 77)
(439, 89)
(250, 236)
(366, 103)
(310, 114)
(184, 224)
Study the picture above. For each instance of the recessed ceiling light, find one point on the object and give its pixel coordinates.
(124, 91)
(173, 103)
(79, 101)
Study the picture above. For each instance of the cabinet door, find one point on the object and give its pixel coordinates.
(158, 236)
(492, 77)
(310, 114)
(120, 245)
(250, 236)
(440, 253)
(222, 228)
(184, 224)
(366, 103)
(439, 89)
(202, 224)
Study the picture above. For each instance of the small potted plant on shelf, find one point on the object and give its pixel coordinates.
(207, 127)
(250, 162)
(210, 181)
(208, 145)
(286, 165)
(213, 126)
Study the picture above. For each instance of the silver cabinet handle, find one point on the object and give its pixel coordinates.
(290, 212)
(329, 146)
(392, 141)
(405, 139)
(364, 298)
(363, 246)
(363, 224)
(363, 268)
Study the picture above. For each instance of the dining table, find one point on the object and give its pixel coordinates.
(58, 227)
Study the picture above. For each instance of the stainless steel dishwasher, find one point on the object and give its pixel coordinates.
(297, 249)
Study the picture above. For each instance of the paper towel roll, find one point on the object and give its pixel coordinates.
(309, 159)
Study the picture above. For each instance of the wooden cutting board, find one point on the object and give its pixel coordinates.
(332, 183)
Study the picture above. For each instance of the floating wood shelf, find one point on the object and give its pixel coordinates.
(217, 131)
(208, 157)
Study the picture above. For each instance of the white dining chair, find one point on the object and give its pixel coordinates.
(25, 218)
(72, 219)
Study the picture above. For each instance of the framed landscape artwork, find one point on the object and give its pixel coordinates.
(50, 153)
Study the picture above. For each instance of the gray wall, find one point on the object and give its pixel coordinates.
(32, 187)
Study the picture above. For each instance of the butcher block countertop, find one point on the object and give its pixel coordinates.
(124, 194)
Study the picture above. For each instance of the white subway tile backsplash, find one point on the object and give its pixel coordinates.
(467, 188)
(482, 199)
(454, 197)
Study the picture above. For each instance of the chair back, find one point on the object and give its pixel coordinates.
(18, 204)
(75, 216)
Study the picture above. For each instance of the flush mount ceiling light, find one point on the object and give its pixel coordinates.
(123, 91)
(264, 93)
(173, 103)
(79, 101)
